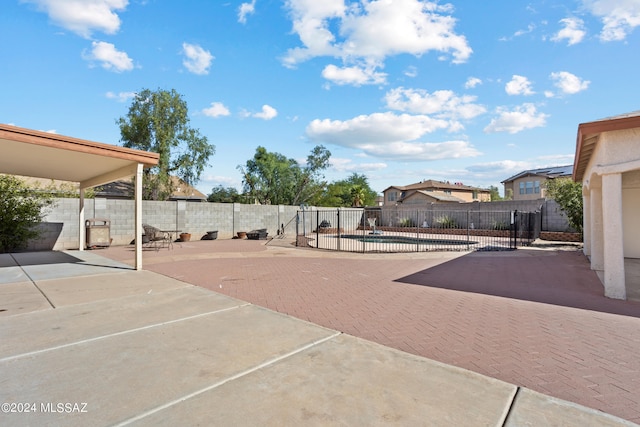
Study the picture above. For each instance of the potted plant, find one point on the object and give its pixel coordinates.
(185, 237)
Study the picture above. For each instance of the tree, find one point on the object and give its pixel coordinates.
(221, 194)
(495, 193)
(21, 210)
(357, 195)
(568, 194)
(159, 122)
(343, 193)
(272, 178)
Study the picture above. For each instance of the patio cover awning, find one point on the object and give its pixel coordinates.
(38, 154)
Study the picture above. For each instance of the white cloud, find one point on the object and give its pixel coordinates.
(121, 96)
(355, 76)
(217, 109)
(83, 17)
(522, 117)
(504, 168)
(267, 113)
(472, 82)
(347, 165)
(370, 31)
(197, 60)
(569, 83)
(619, 17)
(389, 135)
(519, 85)
(110, 58)
(443, 104)
(246, 9)
(529, 29)
(573, 31)
(556, 160)
(411, 71)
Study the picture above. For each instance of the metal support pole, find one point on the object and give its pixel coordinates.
(338, 231)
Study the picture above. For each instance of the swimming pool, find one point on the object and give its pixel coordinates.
(405, 240)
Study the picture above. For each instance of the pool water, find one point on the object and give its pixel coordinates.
(405, 240)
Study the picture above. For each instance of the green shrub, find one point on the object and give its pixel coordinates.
(21, 210)
(445, 221)
(406, 222)
(499, 225)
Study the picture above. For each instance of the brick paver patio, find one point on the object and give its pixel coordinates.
(532, 318)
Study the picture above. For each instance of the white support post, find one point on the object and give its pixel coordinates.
(614, 281)
(138, 216)
(82, 236)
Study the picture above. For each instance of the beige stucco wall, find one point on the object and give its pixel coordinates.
(612, 180)
(532, 196)
(631, 213)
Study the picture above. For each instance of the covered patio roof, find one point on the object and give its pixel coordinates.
(39, 154)
(588, 136)
(29, 152)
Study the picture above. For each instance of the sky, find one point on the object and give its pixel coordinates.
(397, 90)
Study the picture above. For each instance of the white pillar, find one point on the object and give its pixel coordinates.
(586, 222)
(138, 216)
(82, 236)
(597, 241)
(614, 283)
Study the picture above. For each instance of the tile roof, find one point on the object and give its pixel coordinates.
(436, 185)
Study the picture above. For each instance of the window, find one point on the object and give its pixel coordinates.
(536, 187)
(529, 187)
(393, 196)
(475, 195)
(522, 188)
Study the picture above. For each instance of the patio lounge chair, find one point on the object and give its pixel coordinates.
(156, 238)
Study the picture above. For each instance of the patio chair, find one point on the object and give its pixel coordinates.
(155, 237)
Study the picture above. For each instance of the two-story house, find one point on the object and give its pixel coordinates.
(529, 184)
(429, 191)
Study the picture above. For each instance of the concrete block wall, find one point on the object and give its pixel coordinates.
(60, 227)
(553, 219)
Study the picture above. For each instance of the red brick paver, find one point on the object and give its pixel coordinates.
(532, 318)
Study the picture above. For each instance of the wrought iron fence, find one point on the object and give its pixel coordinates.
(403, 230)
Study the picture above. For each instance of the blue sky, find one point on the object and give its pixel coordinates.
(399, 90)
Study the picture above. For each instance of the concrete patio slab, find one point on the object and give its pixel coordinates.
(83, 322)
(531, 408)
(6, 260)
(76, 290)
(38, 265)
(123, 375)
(125, 347)
(347, 381)
(20, 297)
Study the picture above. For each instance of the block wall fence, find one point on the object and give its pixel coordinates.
(60, 227)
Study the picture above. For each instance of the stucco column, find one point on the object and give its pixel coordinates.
(586, 222)
(81, 230)
(614, 283)
(138, 215)
(597, 241)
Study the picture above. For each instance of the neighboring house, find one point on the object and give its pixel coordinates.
(434, 191)
(123, 189)
(529, 184)
(608, 165)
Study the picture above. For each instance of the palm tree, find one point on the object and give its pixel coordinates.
(357, 196)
